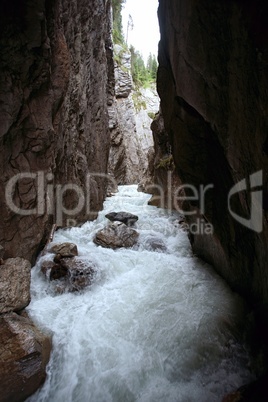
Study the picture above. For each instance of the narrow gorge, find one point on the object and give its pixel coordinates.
(146, 320)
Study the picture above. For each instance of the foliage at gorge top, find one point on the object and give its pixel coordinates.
(143, 75)
(118, 36)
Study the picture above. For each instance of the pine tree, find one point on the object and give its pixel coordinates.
(138, 70)
(142, 75)
(150, 62)
(154, 68)
(118, 36)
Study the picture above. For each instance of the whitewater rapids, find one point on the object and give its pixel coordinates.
(153, 326)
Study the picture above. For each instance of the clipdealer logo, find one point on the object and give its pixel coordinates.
(255, 221)
(49, 198)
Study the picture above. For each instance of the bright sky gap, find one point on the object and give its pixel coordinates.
(145, 33)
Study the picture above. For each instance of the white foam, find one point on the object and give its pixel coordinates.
(154, 326)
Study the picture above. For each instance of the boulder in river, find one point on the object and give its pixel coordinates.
(255, 391)
(71, 274)
(24, 353)
(57, 271)
(53, 270)
(15, 276)
(80, 272)
(46, 267)
(116, 235)
(126, 217)
(65, 250)
(153, 243)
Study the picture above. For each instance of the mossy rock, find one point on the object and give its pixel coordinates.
(166, 163)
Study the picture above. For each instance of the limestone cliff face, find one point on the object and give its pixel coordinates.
(56, 77)
(131, 137)
(161, 180)
(147, 105)
(212, 81)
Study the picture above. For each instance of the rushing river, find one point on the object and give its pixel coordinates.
(153, 326)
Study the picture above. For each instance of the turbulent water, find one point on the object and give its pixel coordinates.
(154, 325)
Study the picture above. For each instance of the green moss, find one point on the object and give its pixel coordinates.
(151, 115)
(166, 163)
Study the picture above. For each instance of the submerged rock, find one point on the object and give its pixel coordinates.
(116, 235)
(65, 250)
(80, 272)
(24, 353)
(57, 272)
(15, 276)
(153, 243)
(71, 274)
(126, 217)
(46, 267)
(255, 391)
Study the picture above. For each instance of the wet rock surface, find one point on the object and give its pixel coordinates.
(125, 217)
(24, 353)
(153, 243)
(15, 275)
(24, 349)
(212, 81)
(116, 235)
(64, 250)
(256, 391)
(56, 271)
(80, 272)
(69, 272)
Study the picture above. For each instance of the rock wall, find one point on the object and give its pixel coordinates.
(146, 104)
(129, 123)
(212, 81)
(24, 349)
(56, 78)
(161, 180)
